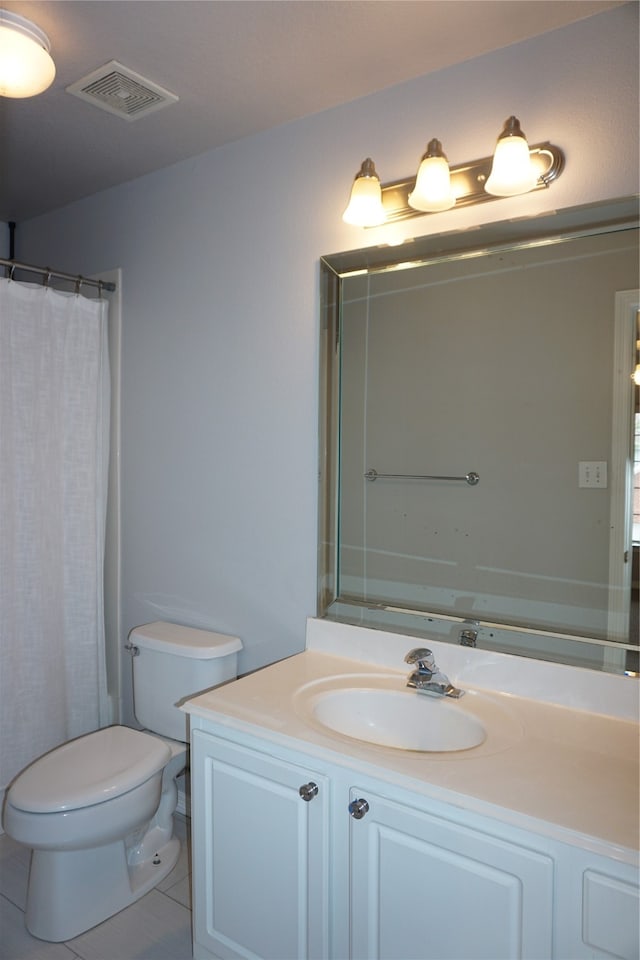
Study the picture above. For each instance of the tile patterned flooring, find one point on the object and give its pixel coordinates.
(156, 927)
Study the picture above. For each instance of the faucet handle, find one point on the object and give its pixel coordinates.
(423, 658)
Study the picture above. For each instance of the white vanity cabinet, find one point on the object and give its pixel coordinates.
(425, 887)
(282, 877)
(597, 907)
(311, 845)
(259, 852)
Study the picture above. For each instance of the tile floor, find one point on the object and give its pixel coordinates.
(156, 927)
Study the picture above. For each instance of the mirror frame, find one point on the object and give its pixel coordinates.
(556, 226)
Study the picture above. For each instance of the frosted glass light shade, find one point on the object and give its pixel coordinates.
(26, 68)
(365, 204)
(432, 191)
(512, 171)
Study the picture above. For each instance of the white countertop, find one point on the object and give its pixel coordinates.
(563, 771)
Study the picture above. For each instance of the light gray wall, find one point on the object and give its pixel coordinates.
(220, 309)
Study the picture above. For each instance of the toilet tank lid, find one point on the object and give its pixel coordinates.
(182, 641)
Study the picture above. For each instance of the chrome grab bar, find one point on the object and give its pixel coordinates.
(471, 478)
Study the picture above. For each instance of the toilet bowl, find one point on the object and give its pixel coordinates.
(91, 812)
(97, 811)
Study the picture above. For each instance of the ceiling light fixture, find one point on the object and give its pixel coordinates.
(514, 169)
(26, 67)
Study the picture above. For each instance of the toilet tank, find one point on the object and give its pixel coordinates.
(173, 663)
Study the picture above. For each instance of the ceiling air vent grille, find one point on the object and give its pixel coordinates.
(121, 91)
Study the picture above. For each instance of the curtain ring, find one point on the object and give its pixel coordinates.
(47, 277)
(12, 270)
(79, 282)
(100, 289)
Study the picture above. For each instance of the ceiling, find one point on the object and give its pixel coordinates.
(237, 66)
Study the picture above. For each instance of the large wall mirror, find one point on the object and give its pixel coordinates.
(479, 437)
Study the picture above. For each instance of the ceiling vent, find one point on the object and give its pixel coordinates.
(121, 91)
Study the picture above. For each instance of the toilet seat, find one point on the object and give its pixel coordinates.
(89, 770)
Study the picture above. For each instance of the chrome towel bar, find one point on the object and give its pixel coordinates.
(471, 478)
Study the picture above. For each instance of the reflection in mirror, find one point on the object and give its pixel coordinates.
(477, 427)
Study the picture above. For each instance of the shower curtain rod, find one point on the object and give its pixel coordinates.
(48, 273)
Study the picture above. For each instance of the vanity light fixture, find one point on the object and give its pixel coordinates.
(365, 203)
(515, 168)
(432, 191)
(512, 172)
(26, 67)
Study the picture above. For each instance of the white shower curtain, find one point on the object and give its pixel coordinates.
(54, 413)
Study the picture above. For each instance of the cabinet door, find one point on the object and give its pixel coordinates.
(260, 854)
(611, 916)
(423, 888)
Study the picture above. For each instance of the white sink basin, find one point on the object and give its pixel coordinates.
(395, 718)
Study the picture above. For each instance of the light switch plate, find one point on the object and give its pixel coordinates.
(592, 473)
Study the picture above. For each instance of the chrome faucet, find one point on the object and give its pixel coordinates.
(427, 678)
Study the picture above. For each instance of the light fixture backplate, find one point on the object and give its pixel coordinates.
(468, 180)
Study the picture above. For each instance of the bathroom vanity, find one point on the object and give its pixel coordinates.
(313, 840)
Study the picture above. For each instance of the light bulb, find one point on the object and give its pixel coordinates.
(365, 204)
(432, 190)
(512, 171)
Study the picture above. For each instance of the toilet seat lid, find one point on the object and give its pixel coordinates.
(89, 770)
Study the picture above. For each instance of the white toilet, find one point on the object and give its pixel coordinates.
(98, 811)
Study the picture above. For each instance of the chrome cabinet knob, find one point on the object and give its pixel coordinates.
(358, 808)
(308, 790)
